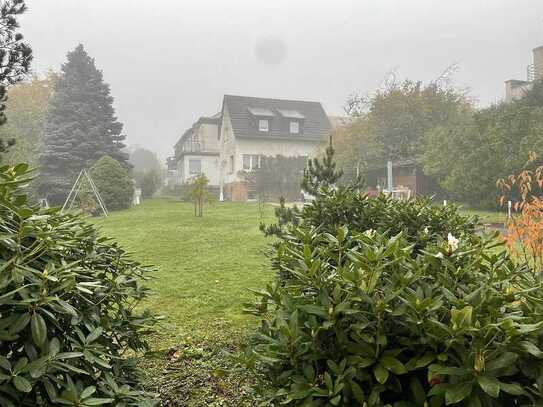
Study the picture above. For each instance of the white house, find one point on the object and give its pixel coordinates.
(247, 129)
(250, 128)
(197, 151)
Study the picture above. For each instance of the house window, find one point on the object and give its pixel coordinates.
(246, 162)
(263, 125)
(195, 167)
(294, 127)
(251, 162)
(231, 164)
(255, 161)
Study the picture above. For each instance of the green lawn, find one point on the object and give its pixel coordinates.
(205, 267)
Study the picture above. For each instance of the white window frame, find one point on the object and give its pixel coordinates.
(254, 161)
(296, 127)
(263, 125)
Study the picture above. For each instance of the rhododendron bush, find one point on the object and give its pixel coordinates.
(380, 302)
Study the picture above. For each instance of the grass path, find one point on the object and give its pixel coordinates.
(204, 265)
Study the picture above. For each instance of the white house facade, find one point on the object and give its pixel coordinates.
(251, 128)
(247, 129)
(197, 151)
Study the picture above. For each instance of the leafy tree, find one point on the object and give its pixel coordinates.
(143, 160)
(149, 182)
(27, 109)
(277, 177)
(81, 126)
(15, 57)
(69, 312)
(393, 123)
(468, 155)
(524, 235)
(113, 182)
(147, 171)
(199, 193)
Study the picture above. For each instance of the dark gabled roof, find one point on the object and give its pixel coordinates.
(242, 109)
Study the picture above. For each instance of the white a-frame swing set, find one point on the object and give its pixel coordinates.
(79, 187)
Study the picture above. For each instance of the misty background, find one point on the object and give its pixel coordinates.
(170, 61)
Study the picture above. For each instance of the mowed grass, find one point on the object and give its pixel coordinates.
(204, 266)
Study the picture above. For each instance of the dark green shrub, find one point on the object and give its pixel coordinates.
(419, 219)
(149, 182)
(113, 182)
(365, 319)
(335, 206)
(67, 300)
(380, 302)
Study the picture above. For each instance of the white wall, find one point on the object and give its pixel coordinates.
(227, 146)
(209, 165)
(538, 62)
(204, 136)
(207, 133)
(237, 147)
(269, 148)
(515, 90)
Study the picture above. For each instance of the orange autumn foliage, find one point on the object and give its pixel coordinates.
(524, 235)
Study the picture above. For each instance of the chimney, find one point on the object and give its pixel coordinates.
(538, 63)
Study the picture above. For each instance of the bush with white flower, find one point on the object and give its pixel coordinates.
(420, 220)
(380, 302)
(366, 320)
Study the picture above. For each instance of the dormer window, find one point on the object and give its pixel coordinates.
(263, 125)
(294, 127)
(262, 117)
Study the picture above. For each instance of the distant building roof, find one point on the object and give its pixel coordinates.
(244, 112)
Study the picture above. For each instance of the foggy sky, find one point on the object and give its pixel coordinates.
(170, 61)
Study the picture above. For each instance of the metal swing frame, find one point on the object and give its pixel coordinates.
(76, 189)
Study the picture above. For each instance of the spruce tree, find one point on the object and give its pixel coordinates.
(114, 184)
(81, 126)
(15, 56)
(319, 176)
(321, 173)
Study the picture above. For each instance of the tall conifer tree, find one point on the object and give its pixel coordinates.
(81, 126)
(15, 56)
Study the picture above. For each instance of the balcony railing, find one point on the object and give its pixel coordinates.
(196, 148)
(531, 73)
